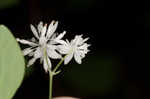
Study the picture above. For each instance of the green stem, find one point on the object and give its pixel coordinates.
(60, 62)
(50, 84)
(52, 73)
(58, 65)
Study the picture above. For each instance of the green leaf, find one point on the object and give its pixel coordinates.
(11, 64)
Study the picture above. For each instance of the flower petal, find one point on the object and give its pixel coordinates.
(58, 42)
(51, 29)
(26, 42)
(47, 66)
(51, 51)
(31, 61)
(34, 31)
(27, 51)
(84, 46)
(33, 39)
(38, 53)
(77, 57)
(81, 41)
(85, 39)
(43, 32)
(68, 58)
(60, 36)
(63, 49)
(78, 39)
(40, 27)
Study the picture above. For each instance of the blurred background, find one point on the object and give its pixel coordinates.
(117, 65)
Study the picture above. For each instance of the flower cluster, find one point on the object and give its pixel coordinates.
(47, 44)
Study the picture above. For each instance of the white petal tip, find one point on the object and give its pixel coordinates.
(46, 71)
(28, 65)
(17, 39)
(65, 63)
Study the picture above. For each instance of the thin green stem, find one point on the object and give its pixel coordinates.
(52, 73)
(60, 62)
(50, 84)
(58, 65)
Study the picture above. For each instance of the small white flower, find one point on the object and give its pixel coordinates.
(77, 48)
(45, 42)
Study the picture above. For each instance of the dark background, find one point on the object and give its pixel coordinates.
(117, 65)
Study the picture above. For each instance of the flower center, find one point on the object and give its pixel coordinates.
(43, 44)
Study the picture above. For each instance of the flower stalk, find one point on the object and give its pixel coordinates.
(58, 65)
(53, 73)
(50, 84)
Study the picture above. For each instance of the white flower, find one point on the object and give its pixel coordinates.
(77, 48)
(45, 43)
